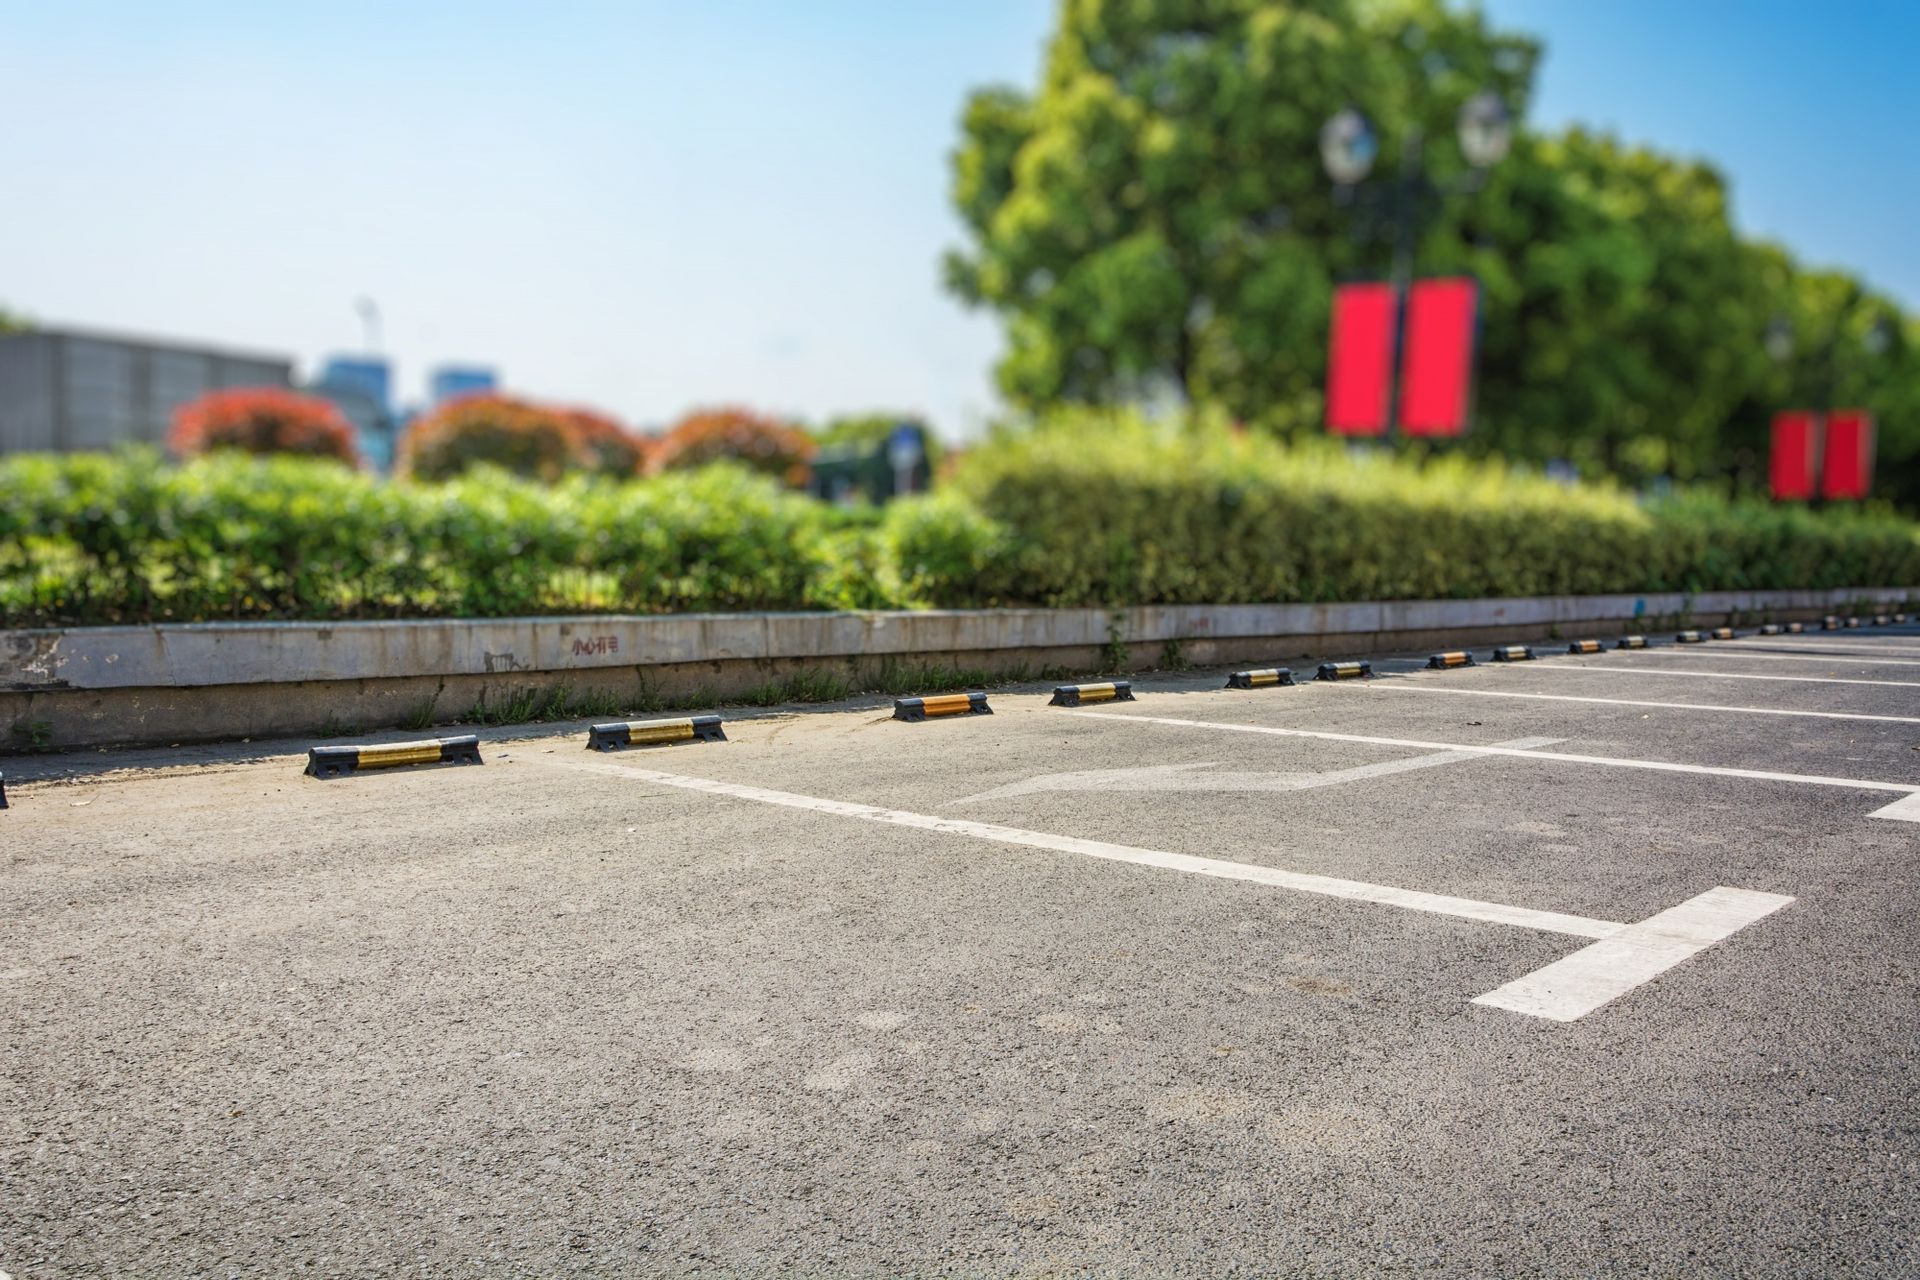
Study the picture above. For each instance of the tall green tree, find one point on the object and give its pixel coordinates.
(1624, 319)
(1154, 221)
(1155, 218)
(1852, 346)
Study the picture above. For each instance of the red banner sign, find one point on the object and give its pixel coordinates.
(1848, 472)
(1360, 359)
(1796, 455)
(1436, 374)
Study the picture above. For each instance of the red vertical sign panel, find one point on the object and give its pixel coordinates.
(1360, 359)
(1848, 472)
(1436, 375)
(1795, 456)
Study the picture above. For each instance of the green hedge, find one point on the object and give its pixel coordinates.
(1098, 510)
(91, 538)
(1102, 509)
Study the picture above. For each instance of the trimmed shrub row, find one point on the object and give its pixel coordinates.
(1114, 512)
(1107, 513)
(99, 539)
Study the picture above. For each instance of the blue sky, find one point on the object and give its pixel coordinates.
(1811, 108)
(647, 207)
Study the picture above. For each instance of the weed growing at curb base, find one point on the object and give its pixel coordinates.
(899, 680)
(1113, 656)
(31, 737)
(557, 703)
(806, 685)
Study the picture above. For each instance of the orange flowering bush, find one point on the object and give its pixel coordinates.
(262, 420)
(501, 430)
(527, 439)
(735, 435)
(605, 446)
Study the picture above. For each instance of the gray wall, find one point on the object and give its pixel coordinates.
(203, 681)
(63, 390)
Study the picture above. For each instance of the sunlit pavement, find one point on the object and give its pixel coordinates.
(1590, 965)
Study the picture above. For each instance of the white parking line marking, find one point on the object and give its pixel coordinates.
(1561, 757)
(1186, 777)
(1650, 947)
(1586, 668)
(1906, 809)
(1838, 649)
(1418, 684)
(1355, 890)
(1580, 983)
(1748, 655)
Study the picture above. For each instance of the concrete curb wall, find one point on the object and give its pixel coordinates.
(217, 653)
(207, 681)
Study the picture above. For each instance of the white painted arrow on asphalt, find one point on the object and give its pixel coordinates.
(1187, 777)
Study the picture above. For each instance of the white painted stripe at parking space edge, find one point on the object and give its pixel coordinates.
(1749, 655)
(1327, 886)
(1594, 975)
(1838, 648)
(1524, 753)
(1419, 684)
(1439, 904)
(1189, 778)
(1906, 809)
(1588, 668)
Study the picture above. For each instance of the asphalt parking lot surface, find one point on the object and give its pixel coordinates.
(1599, 965)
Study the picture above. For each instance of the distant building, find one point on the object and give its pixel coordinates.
(373, 426)
(361, 388)
(450, 382)
(370, 376)
(64, 390)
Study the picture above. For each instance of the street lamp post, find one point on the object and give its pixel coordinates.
(1348, 148)
(1781, 344)
(369, 322)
